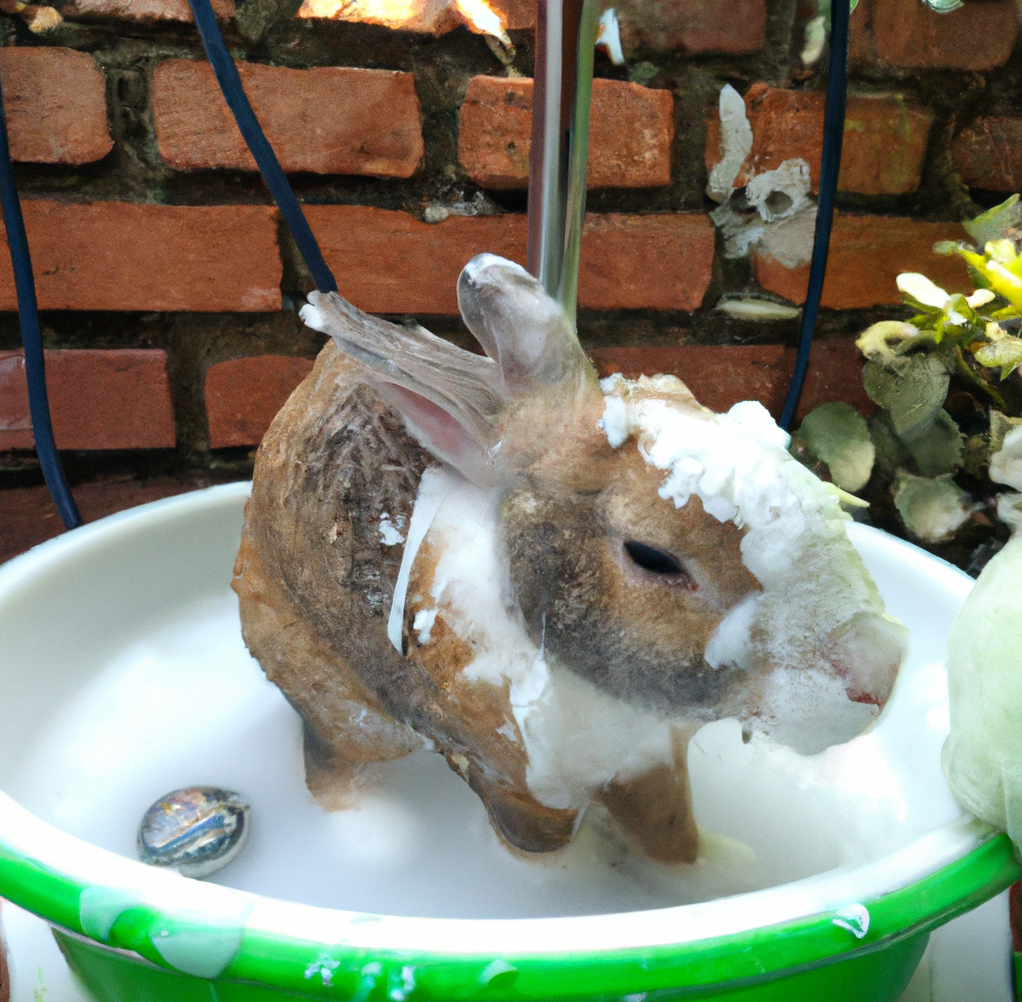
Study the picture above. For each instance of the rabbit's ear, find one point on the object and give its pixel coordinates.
(519, 325)
(450, 399)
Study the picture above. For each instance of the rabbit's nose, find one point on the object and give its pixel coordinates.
(866, 652)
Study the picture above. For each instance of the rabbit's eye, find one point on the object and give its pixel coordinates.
(660, 563)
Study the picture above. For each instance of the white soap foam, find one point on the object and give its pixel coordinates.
(430, 494)
(390, 534)
(795, 544)
(577, 737)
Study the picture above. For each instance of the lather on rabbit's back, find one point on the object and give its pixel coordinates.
(552, 583)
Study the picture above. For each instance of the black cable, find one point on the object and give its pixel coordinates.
(31, 337)
(269, 166)
(830, 166)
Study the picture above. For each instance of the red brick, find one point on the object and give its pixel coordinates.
(425, 18)
(693, 25)
(55, 101)
(99, 399)
(28, 516)
(835, 373)
(517, 14)
(862, 47)
(141, 10)
(988, 153)
(129, 256)
(389, 262)
(721, 376)
(867, 253)
(909, 35)
(329, 120)
(656, 262)
(631, 131)
(884, 143)
(244, 394)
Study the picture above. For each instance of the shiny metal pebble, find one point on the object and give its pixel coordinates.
(195, 831)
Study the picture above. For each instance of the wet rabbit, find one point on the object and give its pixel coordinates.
(551, 581)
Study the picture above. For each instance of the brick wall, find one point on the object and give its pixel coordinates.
(168, 284)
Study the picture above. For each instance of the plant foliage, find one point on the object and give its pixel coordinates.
(937, 473)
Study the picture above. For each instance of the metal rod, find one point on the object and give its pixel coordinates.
(557, 34)
(578, 159)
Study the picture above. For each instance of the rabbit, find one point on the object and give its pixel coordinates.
(550, 581)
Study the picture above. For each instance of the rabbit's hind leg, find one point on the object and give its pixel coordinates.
(521, 821)
(654, 809)
(333, 773)
(345, 725)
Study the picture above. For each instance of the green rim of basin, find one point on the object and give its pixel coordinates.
(297, 965)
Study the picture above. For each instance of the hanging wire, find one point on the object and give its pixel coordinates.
(266, 160)
(28, 314)
(830, 165)
(31, 337)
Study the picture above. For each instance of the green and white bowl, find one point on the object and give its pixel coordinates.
(122, 676)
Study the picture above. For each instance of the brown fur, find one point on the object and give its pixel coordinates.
(315, 585)
(655, 809)
(307, 536)
(573, 579)
(485, 709)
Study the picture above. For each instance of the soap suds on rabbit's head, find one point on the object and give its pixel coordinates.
(817, 607)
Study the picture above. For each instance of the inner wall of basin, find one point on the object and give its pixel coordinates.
(124, 676)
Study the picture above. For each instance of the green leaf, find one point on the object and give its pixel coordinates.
(978, 279)
(958, 303)
(1003, 252)
(1005, 354)
(944, 6)
(891, 452)
(938, 450)
(995, 222)
(838, 434)
(990, 273)
(976, 455)
(1005, 313)
(1006, 451)
(891, 337)
(911, 388)
(1000, 426)
(932, 508)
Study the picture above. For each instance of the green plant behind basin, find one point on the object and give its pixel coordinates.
(949, 397)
